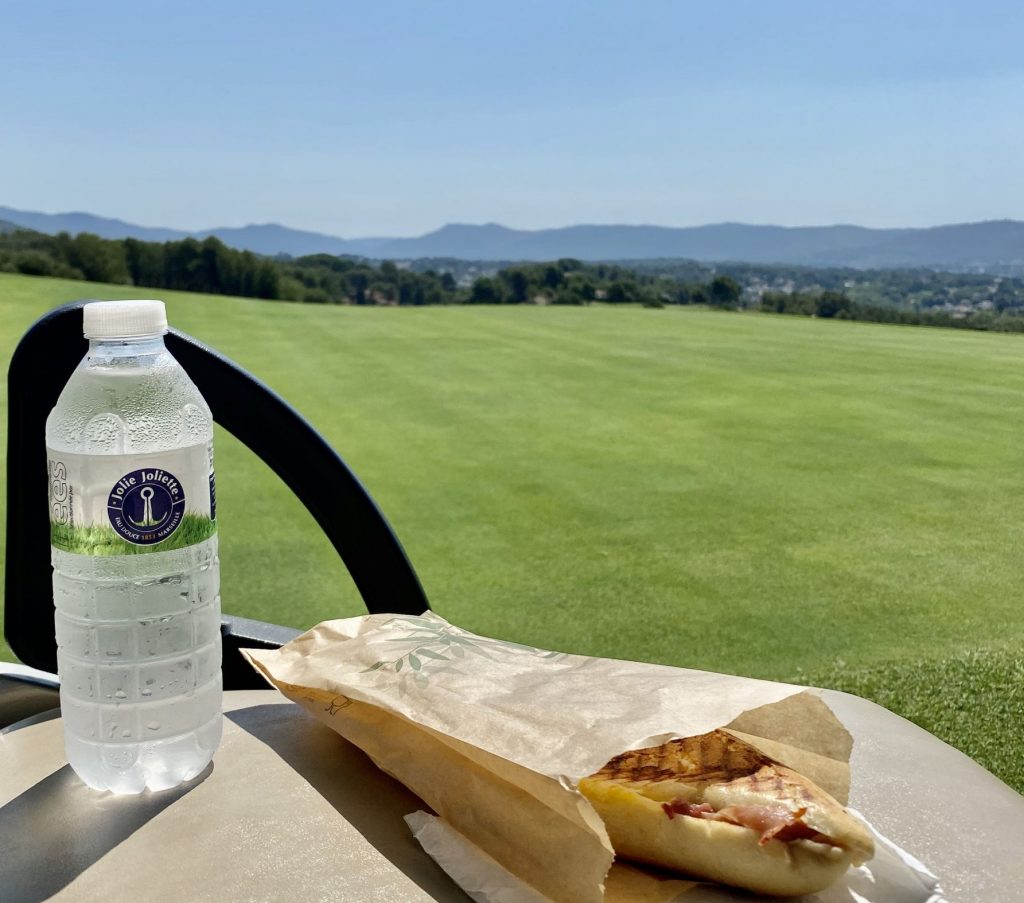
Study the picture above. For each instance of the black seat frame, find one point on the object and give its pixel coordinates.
(42, 364)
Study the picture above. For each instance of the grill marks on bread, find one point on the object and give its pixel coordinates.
(708, 758)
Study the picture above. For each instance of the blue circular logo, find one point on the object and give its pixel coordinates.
(146, 506)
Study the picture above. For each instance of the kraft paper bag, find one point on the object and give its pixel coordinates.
(494, 737)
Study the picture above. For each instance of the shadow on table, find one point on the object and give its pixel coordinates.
(373, 803)
(59, 827)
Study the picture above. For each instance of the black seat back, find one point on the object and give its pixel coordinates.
(260, 419)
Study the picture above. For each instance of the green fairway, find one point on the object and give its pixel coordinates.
(779, 497)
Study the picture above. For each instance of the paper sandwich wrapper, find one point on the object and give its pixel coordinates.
(494, 737)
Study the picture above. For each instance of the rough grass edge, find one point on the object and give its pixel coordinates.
(973, 701)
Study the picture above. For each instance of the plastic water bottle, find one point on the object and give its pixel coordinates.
(136, 577)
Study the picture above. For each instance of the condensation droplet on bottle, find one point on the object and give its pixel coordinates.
(103, 433)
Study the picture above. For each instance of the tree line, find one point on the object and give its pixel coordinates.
(189, 265)
(838, 306)
(209, 266)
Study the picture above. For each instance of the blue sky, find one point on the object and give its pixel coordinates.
(392, 118)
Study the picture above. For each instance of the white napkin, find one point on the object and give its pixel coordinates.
(892, 876)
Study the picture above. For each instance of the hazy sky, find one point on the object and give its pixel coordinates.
(392, 118)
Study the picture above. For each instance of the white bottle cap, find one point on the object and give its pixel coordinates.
(124, 319)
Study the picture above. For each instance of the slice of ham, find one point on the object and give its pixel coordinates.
(682, 807)
(771, 822)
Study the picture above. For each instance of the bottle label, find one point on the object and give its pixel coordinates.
(131, 504)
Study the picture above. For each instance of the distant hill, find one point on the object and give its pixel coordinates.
(266, 239)
(7, 227)
(987, 244)
(274, 239)
(997, 243)
(52, 223)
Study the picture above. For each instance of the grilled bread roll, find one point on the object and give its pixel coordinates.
(715, 807)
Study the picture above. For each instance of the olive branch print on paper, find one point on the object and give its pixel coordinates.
(432, 648)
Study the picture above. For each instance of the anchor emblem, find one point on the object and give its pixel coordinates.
(146, 494)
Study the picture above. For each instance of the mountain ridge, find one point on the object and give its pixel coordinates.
(987, 243)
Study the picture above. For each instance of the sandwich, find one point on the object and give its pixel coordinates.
(716, 808)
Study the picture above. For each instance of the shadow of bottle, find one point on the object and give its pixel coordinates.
(59, 827)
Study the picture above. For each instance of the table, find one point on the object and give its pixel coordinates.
(291, 811)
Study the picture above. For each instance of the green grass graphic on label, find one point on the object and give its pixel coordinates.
(102, 540)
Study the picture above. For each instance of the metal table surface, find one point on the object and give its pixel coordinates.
(291, 811)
